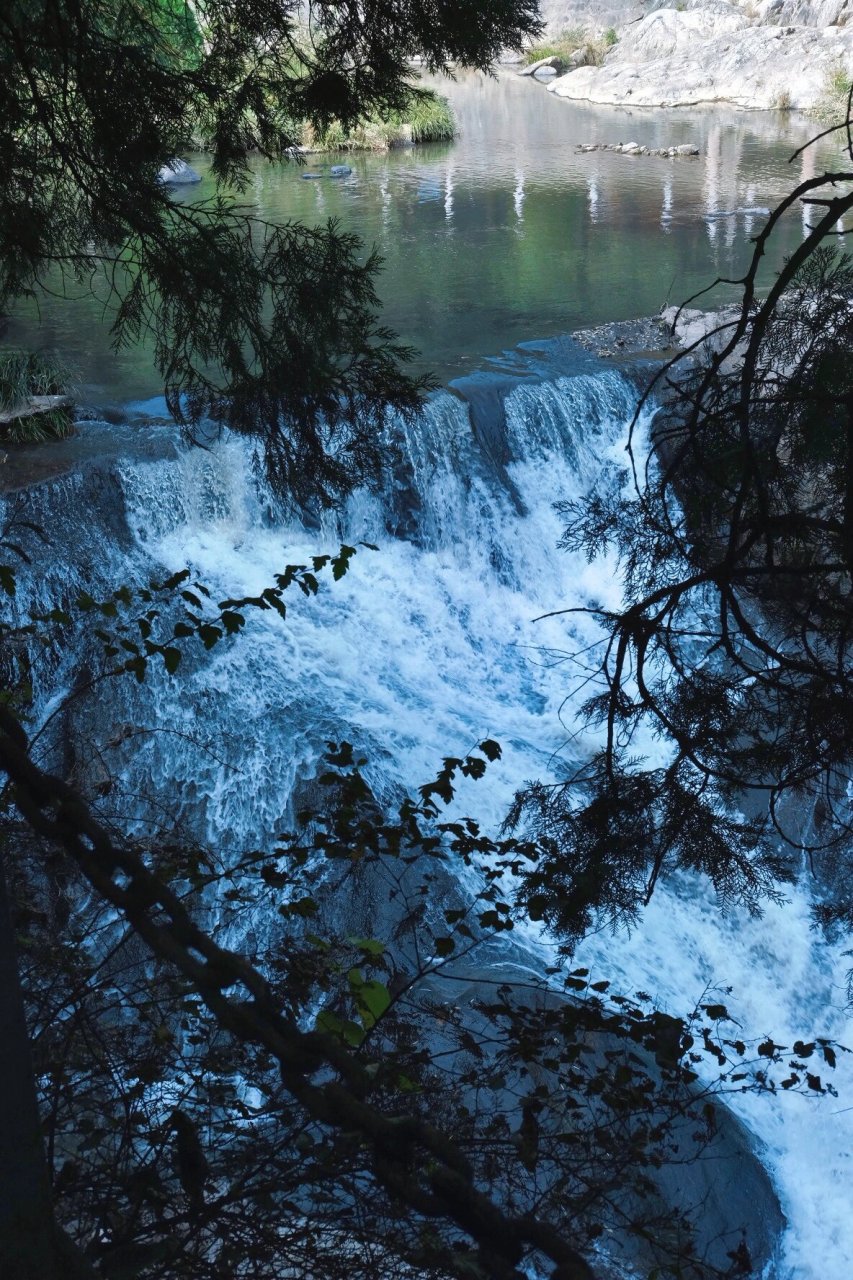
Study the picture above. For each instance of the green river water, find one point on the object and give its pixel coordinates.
(508, 233)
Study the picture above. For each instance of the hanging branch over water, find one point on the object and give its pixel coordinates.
(734, 533)
(416, 1163)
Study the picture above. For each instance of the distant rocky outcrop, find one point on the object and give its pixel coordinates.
(599, 15)
(768, 54)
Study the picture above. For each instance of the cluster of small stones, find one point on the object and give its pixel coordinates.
(635, 149)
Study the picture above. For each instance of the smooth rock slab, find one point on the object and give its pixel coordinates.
(554, 63)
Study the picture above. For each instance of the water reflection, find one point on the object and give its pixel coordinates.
(512, 233)
(592, 198)
(518, 195)
(666, 207)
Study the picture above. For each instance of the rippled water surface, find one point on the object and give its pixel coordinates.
(510, 233)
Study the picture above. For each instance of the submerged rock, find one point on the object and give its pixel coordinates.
(637, 149)
(340, 171)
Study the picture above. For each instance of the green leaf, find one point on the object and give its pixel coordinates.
(370, 946)
(232, 622)
(373, 998)
(491, 749)
(210, 635)
(172, 659)
(175, 581)
(350, 1032)
(340, 562)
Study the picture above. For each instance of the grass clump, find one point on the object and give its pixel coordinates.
(428, 118)
(831, 106)
(24, 374)
(561, 46)
(569, 42)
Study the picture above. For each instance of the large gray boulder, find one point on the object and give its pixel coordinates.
(177, 173)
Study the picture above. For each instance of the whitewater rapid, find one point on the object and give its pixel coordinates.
(430, 644)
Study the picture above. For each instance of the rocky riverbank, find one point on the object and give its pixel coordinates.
(773, 54)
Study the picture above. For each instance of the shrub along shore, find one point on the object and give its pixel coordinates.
(429, 119)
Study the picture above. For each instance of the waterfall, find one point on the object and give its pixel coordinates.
(428, 645)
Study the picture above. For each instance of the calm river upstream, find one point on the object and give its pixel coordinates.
(509, 233)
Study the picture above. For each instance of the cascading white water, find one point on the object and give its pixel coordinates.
(428, 645)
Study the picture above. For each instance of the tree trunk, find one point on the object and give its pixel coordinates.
(27, 1233)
